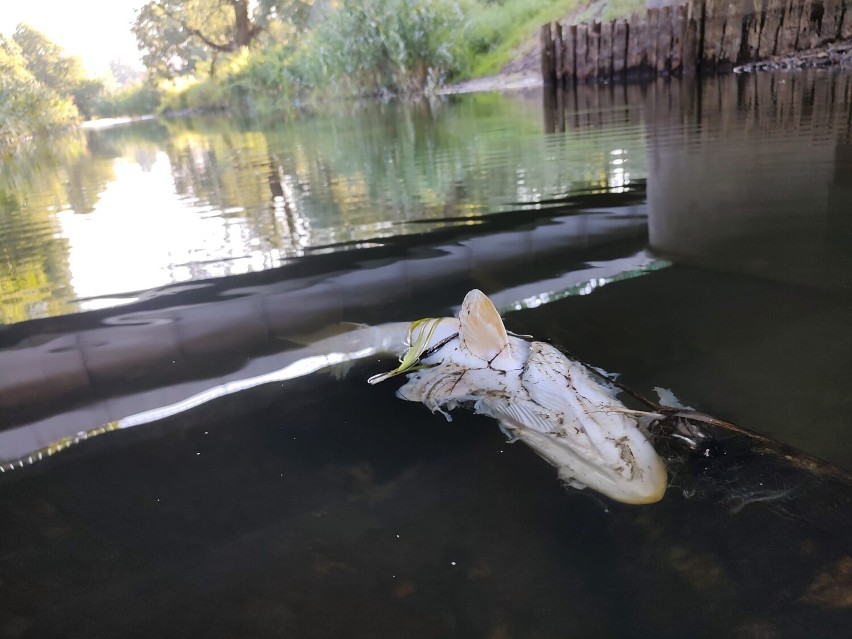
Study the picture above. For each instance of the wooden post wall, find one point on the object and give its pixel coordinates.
(845, 32)
(705, 36)
(548, 70)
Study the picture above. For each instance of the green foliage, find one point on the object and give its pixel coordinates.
(614, 9)
(86, 94)
(388, 45)
(47, 61)
(52, 69)
(168, 48)
(140, 98)
(497, 29)
(194, 95)
(27, 107)
(178, 36)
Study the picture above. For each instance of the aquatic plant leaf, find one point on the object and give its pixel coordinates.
(419, 336)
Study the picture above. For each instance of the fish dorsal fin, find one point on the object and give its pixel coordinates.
(482, 332)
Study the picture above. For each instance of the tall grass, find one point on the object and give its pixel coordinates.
(499, 28)
(365, 47)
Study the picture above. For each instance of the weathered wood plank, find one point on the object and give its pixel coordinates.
(692, 39)
(845, 31)
(808, 35)
(605, 55)
(664, 41)
(732, 38)
(679, 22)
(653, 30)
(755, 24)
(594, 50)
(789, 28)
(771, 25)
(635, 34)
(582, 51)
(558, 52)
(703, 35)
(714, 30)
(569, 57)
(619, 47)
(830, 25)
(548, 71)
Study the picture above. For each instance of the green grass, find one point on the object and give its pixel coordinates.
(498, 29)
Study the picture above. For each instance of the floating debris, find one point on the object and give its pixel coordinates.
(552, 403)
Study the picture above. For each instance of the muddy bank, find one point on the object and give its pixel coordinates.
(502, 82)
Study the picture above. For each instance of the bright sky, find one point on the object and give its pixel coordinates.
(96, 30)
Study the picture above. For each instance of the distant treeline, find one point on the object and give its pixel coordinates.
(213, 54)
(269, 55)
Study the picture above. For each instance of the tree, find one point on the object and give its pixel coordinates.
(175, 35)
(63, 74)
(27, 107)
(47, 61)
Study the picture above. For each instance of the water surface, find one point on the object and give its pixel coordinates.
(176, 465)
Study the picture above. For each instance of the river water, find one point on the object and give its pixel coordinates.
(181, 457)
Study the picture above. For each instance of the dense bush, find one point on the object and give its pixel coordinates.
(388, 45)
(139, 98)
(27, 107)
(364, 47)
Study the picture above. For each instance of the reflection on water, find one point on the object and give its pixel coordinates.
(166, 202)
(247, 482)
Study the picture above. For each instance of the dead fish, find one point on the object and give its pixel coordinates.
(539, 396)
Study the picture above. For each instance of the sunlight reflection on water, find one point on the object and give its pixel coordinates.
(147, 204)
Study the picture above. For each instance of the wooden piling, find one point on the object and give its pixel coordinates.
(558, 48)
(679, 23)
(704, 36)
(605, 56)
(803, 36)
(619, 48)
(582, 52)
(845, 31)
(691, 40)
(653, 27)
(755, 25)
(771, 25)
(594, 49)
(732, 38)
(789, 28)
(548, 70)
(635, 35)
(664, 41)
(714, 30)
(569, 59)
(831, 17)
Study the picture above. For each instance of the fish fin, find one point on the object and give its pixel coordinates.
(517, 414)
(482, 332)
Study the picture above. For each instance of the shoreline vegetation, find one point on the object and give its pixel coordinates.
(272, 56)
(277, 56)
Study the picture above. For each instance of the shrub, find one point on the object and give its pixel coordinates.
(140, 98)
(27, 107)
(388, 45)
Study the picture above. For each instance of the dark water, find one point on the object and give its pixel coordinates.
(691, 237)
